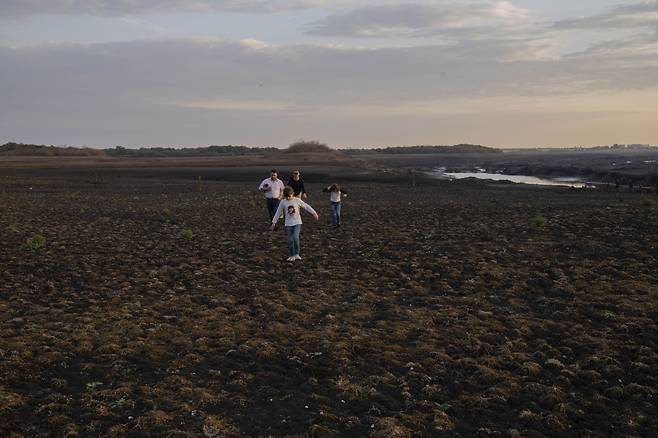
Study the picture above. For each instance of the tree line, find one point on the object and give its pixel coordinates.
(22, 149)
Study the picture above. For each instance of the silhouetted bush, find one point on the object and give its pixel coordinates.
(305, 146)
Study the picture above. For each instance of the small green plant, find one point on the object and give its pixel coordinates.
(444, 406)
(187, 234)
(119, 402)
(93, 385)
(35, 243)
(539, 221)
(648, 202)
(12, 228)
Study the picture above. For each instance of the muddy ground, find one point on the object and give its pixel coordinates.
(160, 307)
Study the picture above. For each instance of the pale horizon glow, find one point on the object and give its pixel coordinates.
(349, 73)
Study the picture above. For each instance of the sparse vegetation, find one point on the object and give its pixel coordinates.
(539, 221)
(93, 385)
(187, 234)
(648, 202)
(119, 402)
(35, 243)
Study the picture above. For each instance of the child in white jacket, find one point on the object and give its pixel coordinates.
(335, 192)
(290, 208)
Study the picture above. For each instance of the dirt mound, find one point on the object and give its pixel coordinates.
(314, 152)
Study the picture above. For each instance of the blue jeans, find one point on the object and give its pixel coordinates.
(293, 239)
(272, 205)
(335, 214)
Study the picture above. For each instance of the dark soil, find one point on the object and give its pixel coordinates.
(163, 307)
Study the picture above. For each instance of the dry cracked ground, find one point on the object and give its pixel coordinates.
(155, 307)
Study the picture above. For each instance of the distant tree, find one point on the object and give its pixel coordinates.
(21, 149)
(209, 151)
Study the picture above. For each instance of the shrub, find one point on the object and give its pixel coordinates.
(539, 221)
(302, 146)
(35, 243)
(93, 385)
(187, 234)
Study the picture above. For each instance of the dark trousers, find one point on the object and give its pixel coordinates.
(272, 205)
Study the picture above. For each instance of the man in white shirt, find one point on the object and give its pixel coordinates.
(272, 188)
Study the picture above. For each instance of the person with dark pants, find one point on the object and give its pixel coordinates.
(272, 189)
(297, 185)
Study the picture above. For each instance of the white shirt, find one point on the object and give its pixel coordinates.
(276, 188)
(334, 196)
(290, 209)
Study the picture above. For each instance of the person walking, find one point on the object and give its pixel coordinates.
(290, 207)
(297, 184)
(335, 192)
(272, 189)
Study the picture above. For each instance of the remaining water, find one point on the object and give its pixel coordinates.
(519, 179)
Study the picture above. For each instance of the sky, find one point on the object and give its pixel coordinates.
(348, 73)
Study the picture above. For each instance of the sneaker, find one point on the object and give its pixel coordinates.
(298, 257)
(291, 259)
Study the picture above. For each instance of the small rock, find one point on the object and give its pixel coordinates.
(524, 414)
(532, 368)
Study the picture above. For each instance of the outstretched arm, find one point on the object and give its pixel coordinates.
(308, 208)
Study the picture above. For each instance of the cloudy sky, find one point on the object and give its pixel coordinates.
(351, 73)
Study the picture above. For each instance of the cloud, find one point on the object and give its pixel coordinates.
(203, 91)
(113, 8)
(634, 16)
(145, 73)
(416, 19)
(232, 105)
(631, 54)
